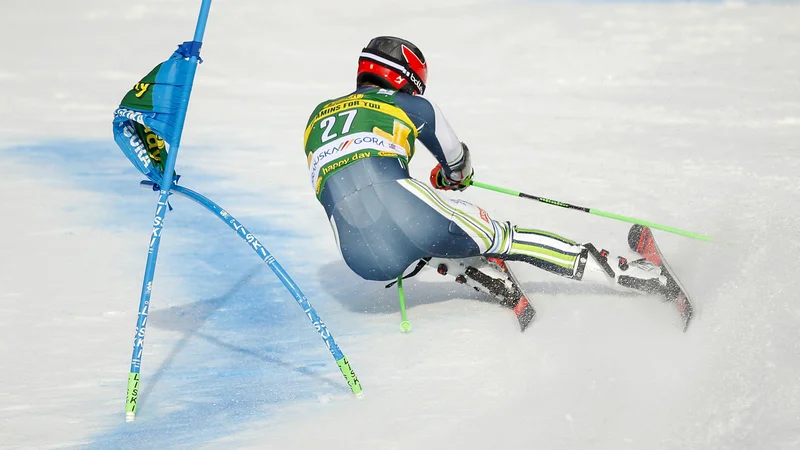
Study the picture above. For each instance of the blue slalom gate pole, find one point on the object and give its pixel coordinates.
(158, 221)
(262, 252)
(158, 104)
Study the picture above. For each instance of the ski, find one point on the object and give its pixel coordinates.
(641, 240)
(522, 307)
(500, 283)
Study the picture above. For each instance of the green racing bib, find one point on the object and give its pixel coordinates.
(351, 128)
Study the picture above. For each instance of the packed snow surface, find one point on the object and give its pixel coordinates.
(685, 114)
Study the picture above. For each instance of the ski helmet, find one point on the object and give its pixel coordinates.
(393, 63)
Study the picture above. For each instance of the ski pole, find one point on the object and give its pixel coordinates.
(596, 212)
(405, 325)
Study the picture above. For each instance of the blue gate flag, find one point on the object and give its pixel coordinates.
(145, 122)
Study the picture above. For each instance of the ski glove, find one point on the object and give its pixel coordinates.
(460, 172)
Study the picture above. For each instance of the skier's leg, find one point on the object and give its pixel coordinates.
(470, 230)
(542, 249)
(381, 230)
(384, 226)
(584, 262)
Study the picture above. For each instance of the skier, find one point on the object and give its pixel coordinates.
(358, 148)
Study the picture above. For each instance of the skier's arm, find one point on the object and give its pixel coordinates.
(439, 138)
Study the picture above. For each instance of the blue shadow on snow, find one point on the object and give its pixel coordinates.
(245, 346)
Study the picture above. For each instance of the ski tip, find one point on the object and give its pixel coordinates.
(640, 240)
(686, 314)
(634, 235)
(525, 313)
(524, 322)
(685, 309)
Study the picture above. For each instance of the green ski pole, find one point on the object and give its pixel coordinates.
(405, 325)
(596, 212)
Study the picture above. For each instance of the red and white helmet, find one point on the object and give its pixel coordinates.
(393, 63)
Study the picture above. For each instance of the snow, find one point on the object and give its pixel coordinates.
(686, 114)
